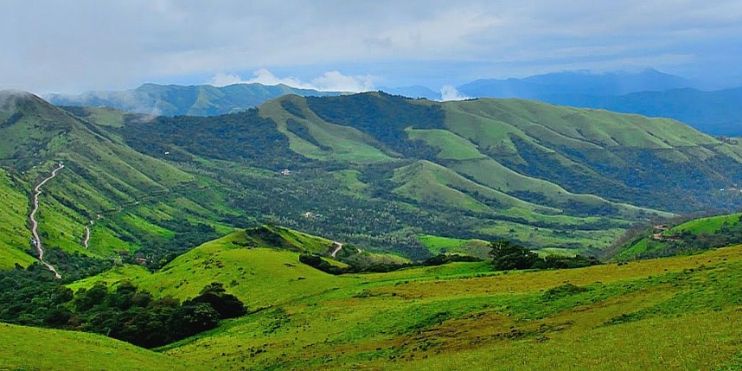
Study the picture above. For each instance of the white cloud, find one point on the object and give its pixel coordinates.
(336, 81)
(265, 77)
(328, 81)
(120, 44)
(224, 79)
(448, 92)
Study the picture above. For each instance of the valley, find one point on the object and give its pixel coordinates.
(358, 231)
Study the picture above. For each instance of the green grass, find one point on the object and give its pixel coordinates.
(451, 146)
(548, 237)
(15, 234)
(708, 226)
(447, 245)
(337, 142)
(258, 275)
(656, 314)
(27, 348)
(678, 312)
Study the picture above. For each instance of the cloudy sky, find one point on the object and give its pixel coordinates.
(71, 46)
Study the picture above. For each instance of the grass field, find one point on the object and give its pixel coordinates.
(657, 314)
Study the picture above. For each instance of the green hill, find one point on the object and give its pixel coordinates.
(370, 169)
(459, 313)
(174, 100)
(544, 175)
(689, 236)
(26, 348)
(126, 199)
(259, 265)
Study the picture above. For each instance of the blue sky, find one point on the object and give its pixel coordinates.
(71, 46)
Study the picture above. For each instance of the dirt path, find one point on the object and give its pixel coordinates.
(86, 239)
(338, 247)
(35, 224)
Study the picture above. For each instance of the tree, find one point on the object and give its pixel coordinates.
(508, 256)
(227, 305)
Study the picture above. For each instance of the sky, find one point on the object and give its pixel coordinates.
(72, 46)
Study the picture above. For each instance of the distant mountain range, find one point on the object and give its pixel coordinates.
(714, 112)
(649, 93)
(576, 82)
(175, 100)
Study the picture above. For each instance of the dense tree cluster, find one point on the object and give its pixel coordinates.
(244, 136)
(509, 256)
(384, 117)
(32, 297)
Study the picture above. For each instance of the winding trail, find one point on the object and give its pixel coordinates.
(35, 224)
(338, 247)
(86, 239)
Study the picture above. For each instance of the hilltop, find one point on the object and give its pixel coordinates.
(650, 93)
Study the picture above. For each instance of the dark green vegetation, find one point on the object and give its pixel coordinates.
(507, 256)
(34, 298)
(176, 100)
(687, 237)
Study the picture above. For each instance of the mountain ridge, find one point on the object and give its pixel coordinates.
(173, 100)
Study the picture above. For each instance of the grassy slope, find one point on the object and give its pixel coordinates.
(654, 314)
(27, 348)
(708, 225)
(340, 143)
(128, 195)
(13, 225)
(462, 177)
(255, 271)
(448, 245)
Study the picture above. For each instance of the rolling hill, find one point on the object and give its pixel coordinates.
(371, 169)
(174, 100)
(541, 174)
(649, 93)
(459, 313)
